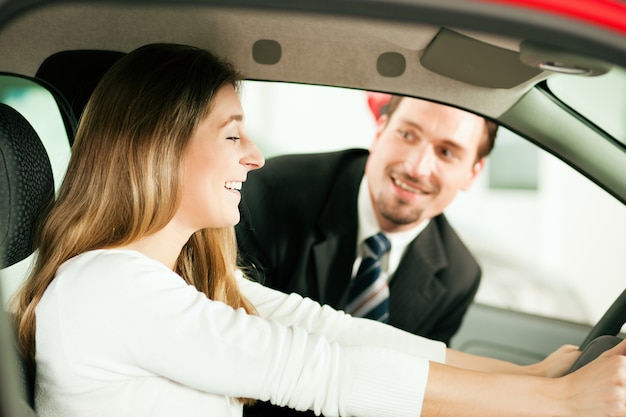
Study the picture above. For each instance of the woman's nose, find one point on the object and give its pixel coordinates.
(253, 158)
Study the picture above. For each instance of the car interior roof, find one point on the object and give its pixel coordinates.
(334, 49)
(322, 56)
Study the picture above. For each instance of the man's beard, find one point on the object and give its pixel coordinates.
(398, 212)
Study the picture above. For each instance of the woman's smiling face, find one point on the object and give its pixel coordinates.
(215, 164)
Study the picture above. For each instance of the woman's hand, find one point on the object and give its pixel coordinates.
(557, 363)
(599, 388)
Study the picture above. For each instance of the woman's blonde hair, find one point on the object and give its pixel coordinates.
(124, 178)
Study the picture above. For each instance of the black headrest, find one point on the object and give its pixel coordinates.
(26, 185)
(76, 73)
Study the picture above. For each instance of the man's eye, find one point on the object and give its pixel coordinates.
(447, 153)
(233, 138)
(406, 135)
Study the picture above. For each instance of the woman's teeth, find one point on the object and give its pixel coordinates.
(233, 185)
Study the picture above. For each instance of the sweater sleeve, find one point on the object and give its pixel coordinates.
(337, 326)
(132, 316)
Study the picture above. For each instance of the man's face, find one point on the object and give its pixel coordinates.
(420, 158)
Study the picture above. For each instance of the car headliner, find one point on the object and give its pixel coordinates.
(341, 42)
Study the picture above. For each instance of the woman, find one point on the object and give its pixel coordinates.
(114, 331)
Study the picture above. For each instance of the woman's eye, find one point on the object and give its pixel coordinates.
(233, 138)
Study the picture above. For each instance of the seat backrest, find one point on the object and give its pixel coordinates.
(26, 190)
(74, 74)
(26, 185)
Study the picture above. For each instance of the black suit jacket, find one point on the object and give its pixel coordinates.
(298, 233)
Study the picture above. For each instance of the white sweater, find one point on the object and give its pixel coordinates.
(119, 334)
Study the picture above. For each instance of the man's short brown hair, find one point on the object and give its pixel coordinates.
(483, 150)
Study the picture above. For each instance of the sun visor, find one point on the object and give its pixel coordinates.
(474, 62)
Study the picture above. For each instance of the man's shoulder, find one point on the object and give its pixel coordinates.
(451, 241)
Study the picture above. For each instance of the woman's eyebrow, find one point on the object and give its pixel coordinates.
(233, 118)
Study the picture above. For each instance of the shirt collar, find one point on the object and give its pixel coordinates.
(368, 226)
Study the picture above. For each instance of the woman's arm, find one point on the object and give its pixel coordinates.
(556, 364)
(337, 326)
(597, 389)
(467, 385)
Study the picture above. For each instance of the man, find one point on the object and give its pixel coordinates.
(304, 217)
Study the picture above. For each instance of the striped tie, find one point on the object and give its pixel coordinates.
(368, 295)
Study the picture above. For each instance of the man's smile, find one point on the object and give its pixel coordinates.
(410, 187)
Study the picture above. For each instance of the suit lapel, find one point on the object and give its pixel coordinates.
(414, 289)
(330, 270)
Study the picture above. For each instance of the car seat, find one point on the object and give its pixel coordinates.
(26, 184)
(27, 189)
(74, 74)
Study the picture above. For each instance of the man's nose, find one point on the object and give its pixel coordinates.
(420, 162)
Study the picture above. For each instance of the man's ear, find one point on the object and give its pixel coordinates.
(381, 122)
(476, 169)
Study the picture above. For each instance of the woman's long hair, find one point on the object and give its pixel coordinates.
(124, 178)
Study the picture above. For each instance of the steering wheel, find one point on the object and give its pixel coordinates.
(603, 335)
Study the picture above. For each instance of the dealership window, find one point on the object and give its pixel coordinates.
(526, 218)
